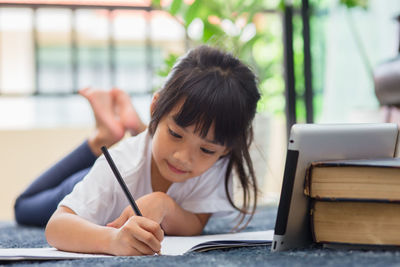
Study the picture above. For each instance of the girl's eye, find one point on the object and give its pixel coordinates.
(174, 134)
(207, 151)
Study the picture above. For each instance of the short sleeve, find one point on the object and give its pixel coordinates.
(98, 198)
(205, 193)
(92, 198)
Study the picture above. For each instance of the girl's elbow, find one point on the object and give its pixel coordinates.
(55, 228)
(50, 232)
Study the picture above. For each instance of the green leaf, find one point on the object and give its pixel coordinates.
(175, 6)
(238, 4)
(249, 44)
(156, 3)
(192, 12)
(282, 5)
(215, 7)
(169, 62)
(204, 11)
(355, 3)
(211, 31)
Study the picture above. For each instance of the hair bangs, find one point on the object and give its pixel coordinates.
(208, 102)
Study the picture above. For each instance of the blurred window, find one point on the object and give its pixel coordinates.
(56, 51)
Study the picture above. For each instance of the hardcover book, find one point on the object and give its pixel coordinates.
(356, 223)
(369, 179)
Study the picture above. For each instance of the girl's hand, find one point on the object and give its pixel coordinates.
(138, 236)
(162, 209)
(154, 206)
(121, 220)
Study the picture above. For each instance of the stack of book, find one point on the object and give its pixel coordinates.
(355, 201)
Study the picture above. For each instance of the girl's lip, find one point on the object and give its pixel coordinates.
(174, 169)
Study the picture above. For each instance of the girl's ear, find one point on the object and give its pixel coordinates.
(154, 102)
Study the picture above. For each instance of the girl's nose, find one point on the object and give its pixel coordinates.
(183, 156)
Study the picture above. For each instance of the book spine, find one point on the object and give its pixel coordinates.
(307, 181)
(312, 210)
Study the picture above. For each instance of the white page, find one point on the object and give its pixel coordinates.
(42, 254)
(178, 245)
(171, 245)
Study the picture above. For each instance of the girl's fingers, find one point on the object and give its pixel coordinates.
(138, 236)
(117, 223)
(148, 232)
(121, 220)
(158, 232)
(154, 228)
(149, 240)
(142, 248)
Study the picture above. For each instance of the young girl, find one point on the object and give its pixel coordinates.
(179, 170)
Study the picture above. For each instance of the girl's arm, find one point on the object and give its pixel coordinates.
(178, 221)
(138, 236)
(161, 208)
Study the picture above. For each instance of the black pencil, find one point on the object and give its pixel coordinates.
(120, 181)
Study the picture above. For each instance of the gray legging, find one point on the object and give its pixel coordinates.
(38, 202)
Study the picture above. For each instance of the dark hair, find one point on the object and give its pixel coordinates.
(218, 89)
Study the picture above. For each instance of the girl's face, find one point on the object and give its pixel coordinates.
(179, 154)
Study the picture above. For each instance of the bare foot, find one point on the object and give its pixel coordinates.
(109, 129)
(127, 113)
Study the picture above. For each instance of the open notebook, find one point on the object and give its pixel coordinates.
(171, 245)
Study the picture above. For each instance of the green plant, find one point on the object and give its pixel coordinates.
(355, 3)
(241, 27)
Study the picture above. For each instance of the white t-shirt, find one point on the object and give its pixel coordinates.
(100, 199)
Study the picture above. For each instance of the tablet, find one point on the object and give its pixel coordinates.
(316, 142)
